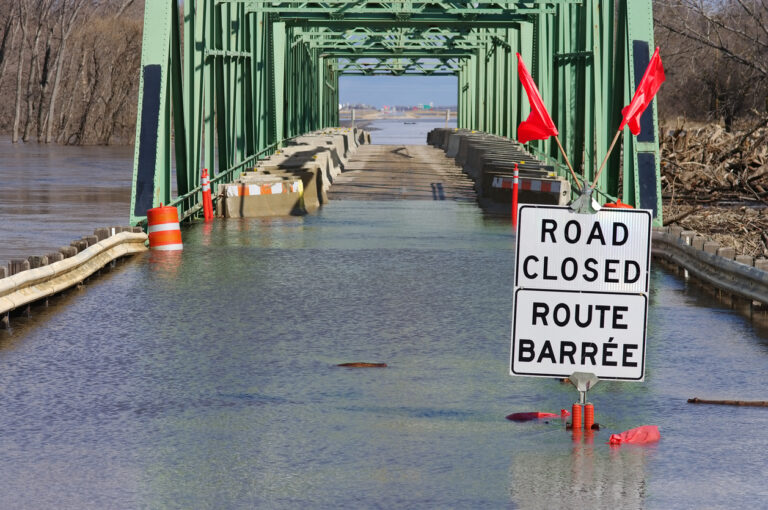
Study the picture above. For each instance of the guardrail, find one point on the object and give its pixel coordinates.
(741, 276)
(32, 285)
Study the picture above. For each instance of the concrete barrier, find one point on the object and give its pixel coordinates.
(314, 160)
(703, 260)
(258, 196)
(34, 284)
(490, 161)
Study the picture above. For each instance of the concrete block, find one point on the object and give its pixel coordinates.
(761, 264)
(745, 259)
(711, 247)
(675, 231)
(17, 266)
(263, 196)
(79, 245)
(36, 261)
(727, 253)
(3, 271)
(687, 236)
(698, 242)
(101, 233)
(91, 240)
(55, 257)
(259, 206)
(68, 251)
(315, 181)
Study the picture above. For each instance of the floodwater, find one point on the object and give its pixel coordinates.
(405, 131)
(51, 195)
(207, 379)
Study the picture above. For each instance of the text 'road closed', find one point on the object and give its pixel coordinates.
(559, 249)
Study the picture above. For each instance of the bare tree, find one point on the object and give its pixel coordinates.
(40, 17)
(85, 51)
(22, 20)
(123, 7)
(67, 15)
(8, 32)
(717, 49)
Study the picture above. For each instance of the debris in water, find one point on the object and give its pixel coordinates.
(360, 364)
(748, 403)
(641, 435)
(536, 415)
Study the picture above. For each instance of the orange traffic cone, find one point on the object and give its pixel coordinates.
(207, 200)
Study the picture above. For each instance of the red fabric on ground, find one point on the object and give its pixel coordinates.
(535, 415)
(640, 435)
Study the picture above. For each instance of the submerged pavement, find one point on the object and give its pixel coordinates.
(396, 172)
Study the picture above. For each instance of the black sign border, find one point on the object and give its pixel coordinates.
(514, 327)
(519, 235)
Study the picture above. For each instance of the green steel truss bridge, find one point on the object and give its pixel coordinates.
(225, 82)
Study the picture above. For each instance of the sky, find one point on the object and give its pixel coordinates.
(398, 90)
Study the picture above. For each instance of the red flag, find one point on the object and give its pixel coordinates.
(538, 125)
(649, 85)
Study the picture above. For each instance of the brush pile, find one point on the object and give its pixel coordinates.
(742, 228)
(708, 165)
(716, 183)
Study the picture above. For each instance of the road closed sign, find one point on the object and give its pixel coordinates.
(581, 292)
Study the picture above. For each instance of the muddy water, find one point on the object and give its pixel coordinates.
(51, 195)
(208, 380)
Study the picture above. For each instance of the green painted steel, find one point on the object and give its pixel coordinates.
(249, 74)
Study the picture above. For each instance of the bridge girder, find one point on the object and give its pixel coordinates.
(250, 73)
(398, 66)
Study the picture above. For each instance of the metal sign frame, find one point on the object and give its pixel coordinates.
(572, 312)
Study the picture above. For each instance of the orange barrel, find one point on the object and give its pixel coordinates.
(163, 229)
(576, 416)
(589, 416)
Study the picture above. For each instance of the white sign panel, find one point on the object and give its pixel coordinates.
(563, 250)
(556, 333)
(581, 292)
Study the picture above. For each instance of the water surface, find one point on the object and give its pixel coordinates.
(207, 379)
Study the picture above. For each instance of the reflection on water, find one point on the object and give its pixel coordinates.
(591, 475)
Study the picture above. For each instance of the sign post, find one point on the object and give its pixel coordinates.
(581, 293)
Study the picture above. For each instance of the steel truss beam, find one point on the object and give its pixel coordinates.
(249, 73)
(397, 66)
(233, 88)
(400, 7)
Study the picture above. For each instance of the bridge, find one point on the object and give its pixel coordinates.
(226, 82)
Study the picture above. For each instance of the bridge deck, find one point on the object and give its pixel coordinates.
(392, 172)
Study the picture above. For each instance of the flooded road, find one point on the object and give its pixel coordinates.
(208, 380)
